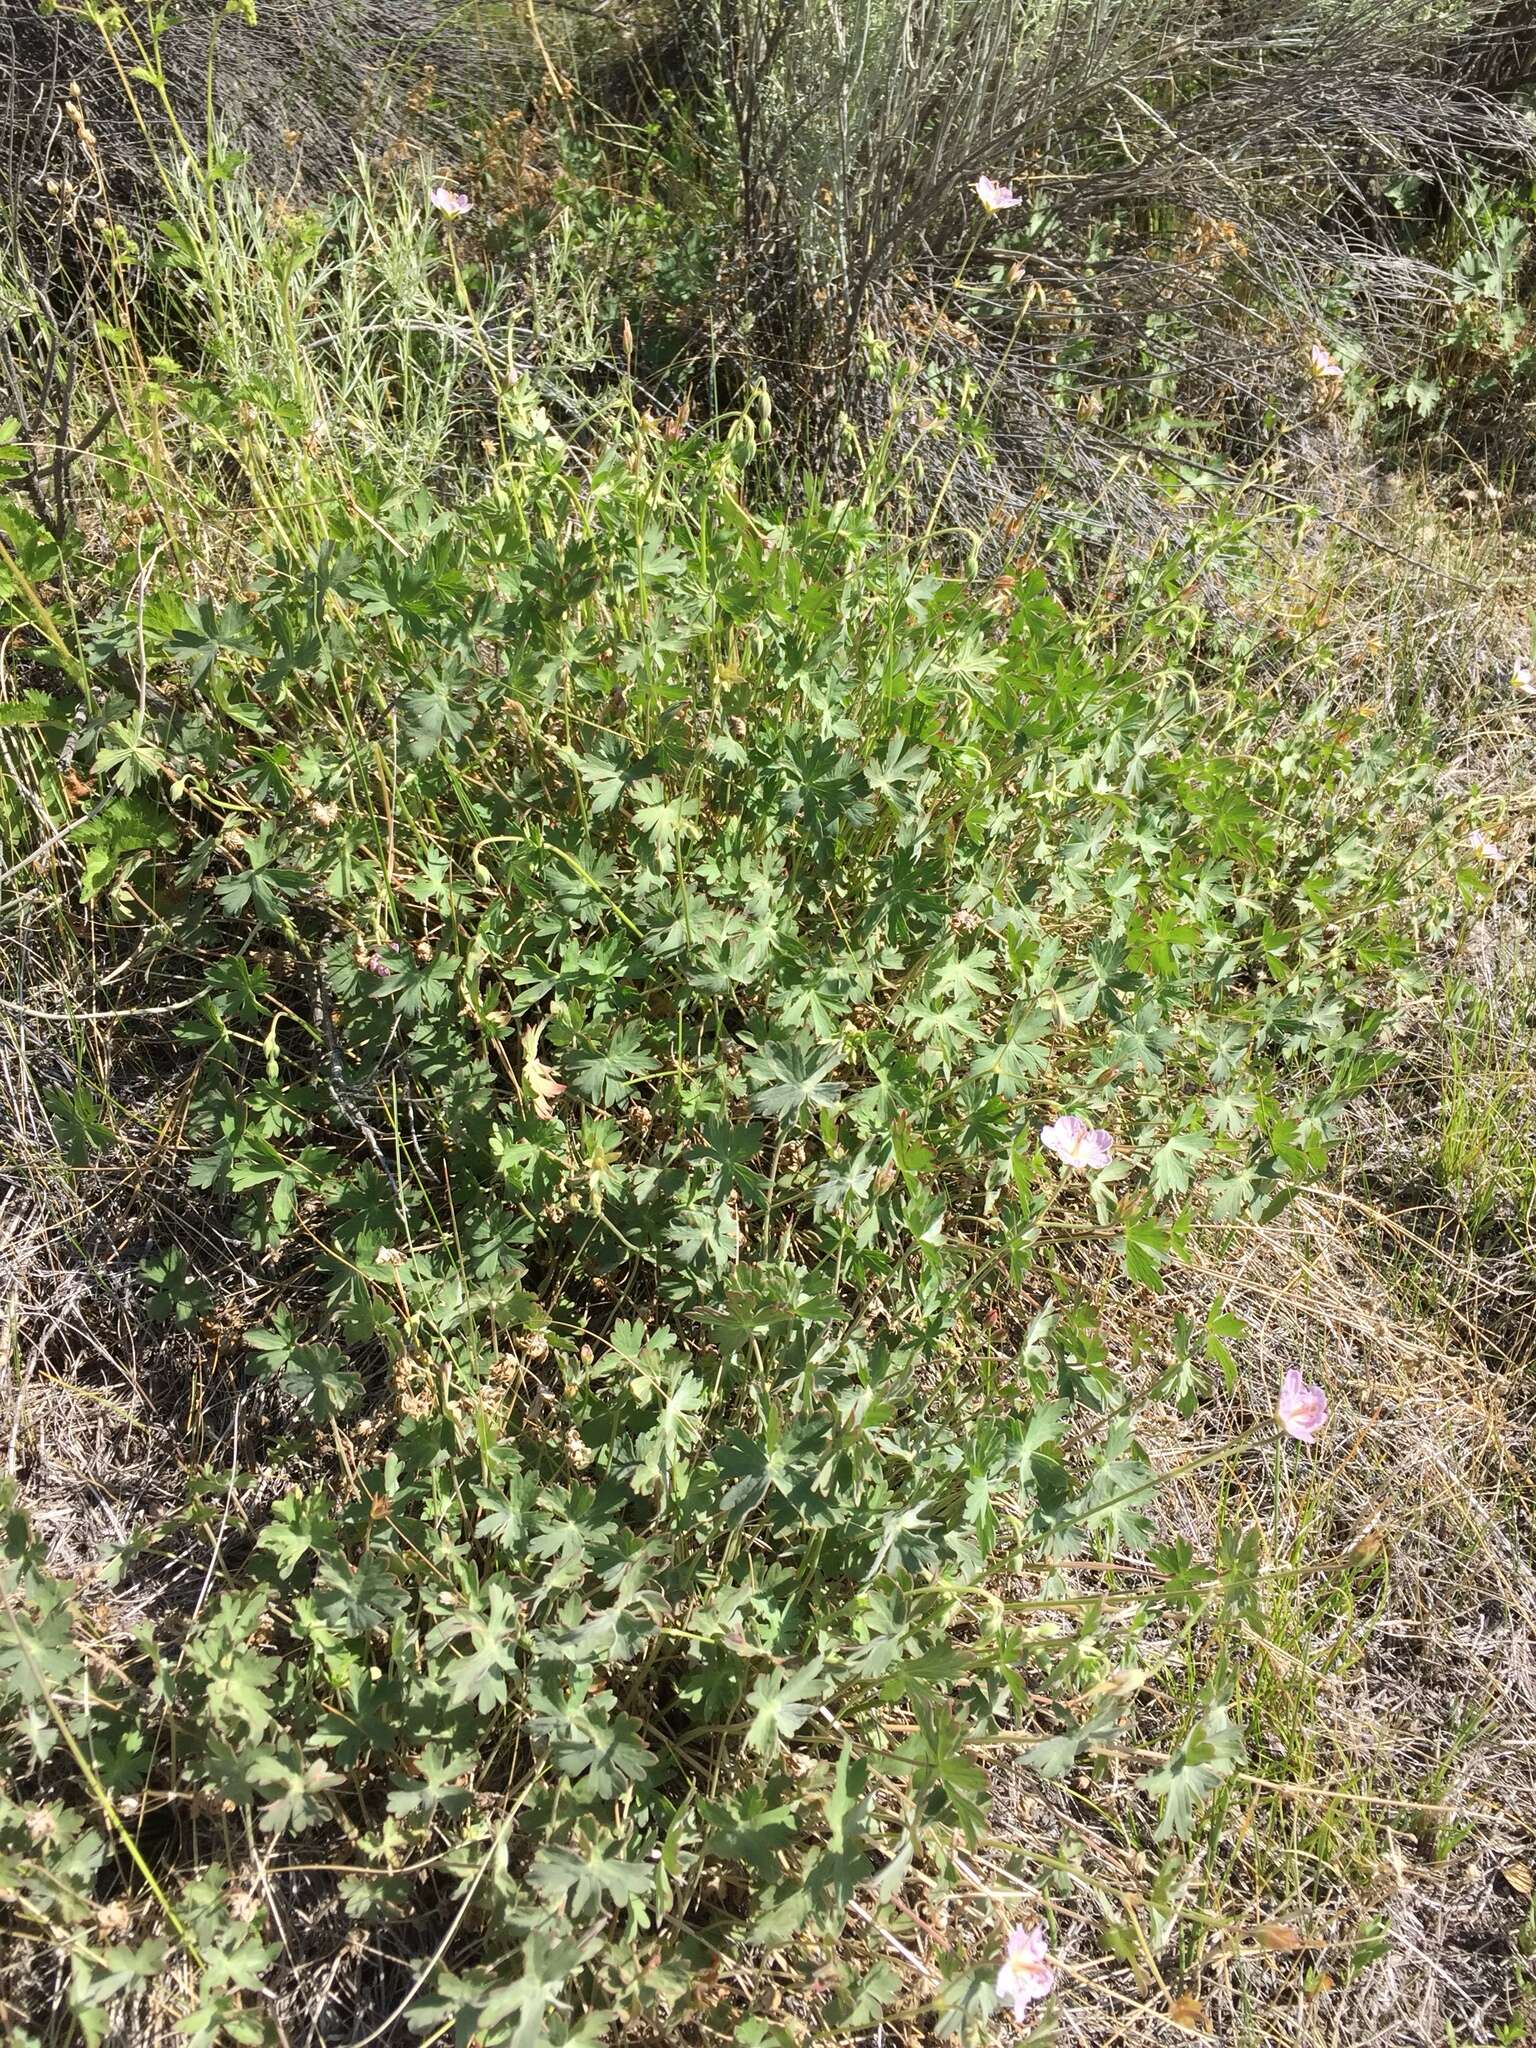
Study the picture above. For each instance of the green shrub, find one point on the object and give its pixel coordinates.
(613, 951)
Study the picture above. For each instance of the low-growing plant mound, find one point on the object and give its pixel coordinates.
(614, 952)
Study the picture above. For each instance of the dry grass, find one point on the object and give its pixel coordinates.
(1368, 1876)
(1364, 1878)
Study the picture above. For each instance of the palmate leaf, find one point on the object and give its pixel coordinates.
(1143, 1247)
(1057, 1754)
(129, 824)
(1211, 1751)
(435, 718)
(782, 1704)
(901, 769)
(833, 1876)
(438, 1783)
(205, 634)
(663, 819)
(607, 1075)
(750, 1828)
(946, 1781)
(301, 1523)
(678, 1425)
(705, 1233)
(579, 1878)
(724, 1162)
(598, 1750)
(1173, 1166)
(514, 2005)
(315, 1375)
(792, 1078)
(357, 1598)
(298, 1789)
(1016, 1060)
(965, 976)
(607, 770)
(480, 1674)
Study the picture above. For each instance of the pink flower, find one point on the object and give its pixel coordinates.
(446, 200)
(1075, 1144)
(1303, 1409)
(1323, 364)
(1486, 849)
(994, 197)
(1522, 682)
(1026, 1975)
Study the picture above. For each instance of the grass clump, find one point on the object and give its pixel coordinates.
(605, 951)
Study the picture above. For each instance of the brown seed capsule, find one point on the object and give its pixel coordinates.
(1278, 1938)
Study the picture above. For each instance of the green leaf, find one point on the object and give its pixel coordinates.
(435, 719)
(206, 634)
(1057, 1754)
(792, 1078)
(782, 1704)
(1174, 1164)
(299, 1798)
(598, 1750)
(607, 1075)
(129, 825)
(579, 1879)
(480, 1673)
(314, 1375)
(1210, 1752)
(1143, 1247)
(34, 708)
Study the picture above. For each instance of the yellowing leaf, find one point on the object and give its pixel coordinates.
(541, 1083)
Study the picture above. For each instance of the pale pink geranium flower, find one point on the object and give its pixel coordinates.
(1075, 1143)
(446, 200)
(1026, 1975)
(1324, 366)
(1303, 1409)
(994, 197)
(1486, 848)
(1523, 682)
